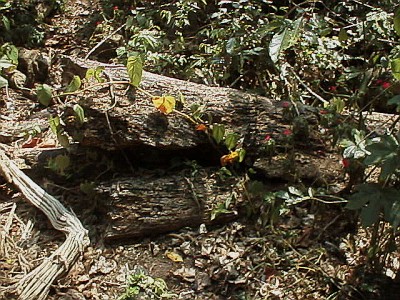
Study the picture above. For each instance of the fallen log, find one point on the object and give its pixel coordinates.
(126, 122)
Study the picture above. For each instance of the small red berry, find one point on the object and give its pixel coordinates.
(285, 104)
(346, 162)
(287, 132)
(323, 112)
(386, 85)
(333, 88)
(115, 8)
(267, 138)
(378, 82)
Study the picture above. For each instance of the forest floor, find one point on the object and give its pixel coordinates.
(314, 252)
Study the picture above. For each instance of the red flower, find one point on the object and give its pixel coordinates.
(115, 8)
(267, 138)
(333, 88)
(346, 162)
(287, 132)
(386, 85)
(323, 112)
(285, 104)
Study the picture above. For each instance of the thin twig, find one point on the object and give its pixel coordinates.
(307, 87)
(103, 40)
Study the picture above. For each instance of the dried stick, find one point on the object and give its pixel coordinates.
(36, 284)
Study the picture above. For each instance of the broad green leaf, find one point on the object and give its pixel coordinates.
(231, 45)
(9, 53)
(394, 213)
(63, 140)
(343, 36)
(54, 123)
(389, 166)
(87, 188)
(395, 101)
(364, 194)
(89, 73)
(242, 154)
(278, 44)
(231, 140)
(284, 40)
(6, 22)
(370, 214)
(79, 112)
(386, 147)
(220, 209)
(218, 132)
(97, 74)
(396, 21)
(74, 85)
(295, 191)
(135, 69)
(44, 94)
(395, 65)
(3, 82)
(62, 162)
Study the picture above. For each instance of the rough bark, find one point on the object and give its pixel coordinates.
(137, 206)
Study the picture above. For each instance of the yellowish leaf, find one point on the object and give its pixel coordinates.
(175, 257)
(166, 104)
(229, 158)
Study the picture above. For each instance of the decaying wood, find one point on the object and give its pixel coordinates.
(144, 206)
(36, 284)
(134, 120)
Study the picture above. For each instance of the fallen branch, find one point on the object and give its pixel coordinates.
(36, 284)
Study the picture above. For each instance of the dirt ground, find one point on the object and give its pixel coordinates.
(310, 253)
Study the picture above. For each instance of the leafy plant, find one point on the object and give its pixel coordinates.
(142, 286)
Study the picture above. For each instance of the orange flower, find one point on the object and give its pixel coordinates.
(201, 127)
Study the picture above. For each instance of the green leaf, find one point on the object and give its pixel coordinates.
(87, 188)
(218, 132)
(62, 162)
(242, 154)
(44, 94)
(55, 123)
(370, 214)
(278, 44)
(395, 101)
(79, 112)
(295, 191)
(3, 82)
(74, 85)
(89, 73)
(97, 74)
(63, 139)
(135, 69)
(284, 40)
(386, 147)
(6, 22)
(231, 140)
(364, 193)
(395, 65)
(231, 45)
(343, 36)
(389, 167)
(396, 21)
